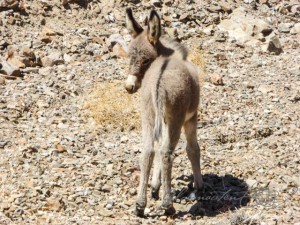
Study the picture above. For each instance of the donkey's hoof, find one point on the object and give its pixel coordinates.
(169, 210)
(139, 211)
(194, 195)
(155, 194)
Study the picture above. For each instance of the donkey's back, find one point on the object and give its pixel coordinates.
(172, 84)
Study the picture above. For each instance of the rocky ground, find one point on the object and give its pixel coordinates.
(59, 165)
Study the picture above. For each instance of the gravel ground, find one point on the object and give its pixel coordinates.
(60, 165)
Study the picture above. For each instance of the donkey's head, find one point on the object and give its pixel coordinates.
(142, 49)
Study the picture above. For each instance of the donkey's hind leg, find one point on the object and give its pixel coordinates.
(156, 177)
(171, 134)
(193, 150)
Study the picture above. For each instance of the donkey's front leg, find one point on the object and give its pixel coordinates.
(145, 165)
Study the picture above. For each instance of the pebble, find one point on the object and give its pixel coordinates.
(284, 27)
(106, 188)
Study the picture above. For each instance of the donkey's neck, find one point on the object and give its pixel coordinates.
(163, 50)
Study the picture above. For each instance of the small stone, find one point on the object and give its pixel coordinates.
(52, 59)
(2, 82)
(216, 79)
(274, 46)
(47, 35)
(263, 1)
(106, 188)
(110, 203)
(105, 213)
(124, 139)
(54, 204)
(11, 20)
(147, 211)
(295, 71)
(214, 8)
(284, 27)
(109, 206)
(109, 145)
(251, 183)
(163, 218)
(132, 191)
(275, 100)
(60, 148)
(45, 71)
(118, 181)
(157, 3)
(183, 17)
(109, 169)
(168, 2)
(296, 29)
(226, 7)
(265, 89)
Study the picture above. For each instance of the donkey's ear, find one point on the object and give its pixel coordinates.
(132, 26)
(154, 27)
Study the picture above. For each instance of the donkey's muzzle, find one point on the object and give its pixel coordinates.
(130, 89)
(131, 84)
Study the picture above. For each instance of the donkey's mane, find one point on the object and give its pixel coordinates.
(173, 48)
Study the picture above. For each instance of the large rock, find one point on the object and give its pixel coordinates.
(244, 28)
(9, 69)
(8, 4)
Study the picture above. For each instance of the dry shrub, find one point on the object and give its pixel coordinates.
(112, 107)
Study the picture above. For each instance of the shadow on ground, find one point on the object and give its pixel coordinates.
(220, 194)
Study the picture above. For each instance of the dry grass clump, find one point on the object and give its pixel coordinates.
(196, 57)
(111, 106)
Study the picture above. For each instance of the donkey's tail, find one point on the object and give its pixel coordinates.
(158, 118)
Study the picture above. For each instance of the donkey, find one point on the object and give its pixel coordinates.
(169, 101)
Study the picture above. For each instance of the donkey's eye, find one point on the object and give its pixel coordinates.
(146, 61)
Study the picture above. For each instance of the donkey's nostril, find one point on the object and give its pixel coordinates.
(130, 88)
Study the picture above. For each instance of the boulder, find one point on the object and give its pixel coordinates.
(244, 28)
